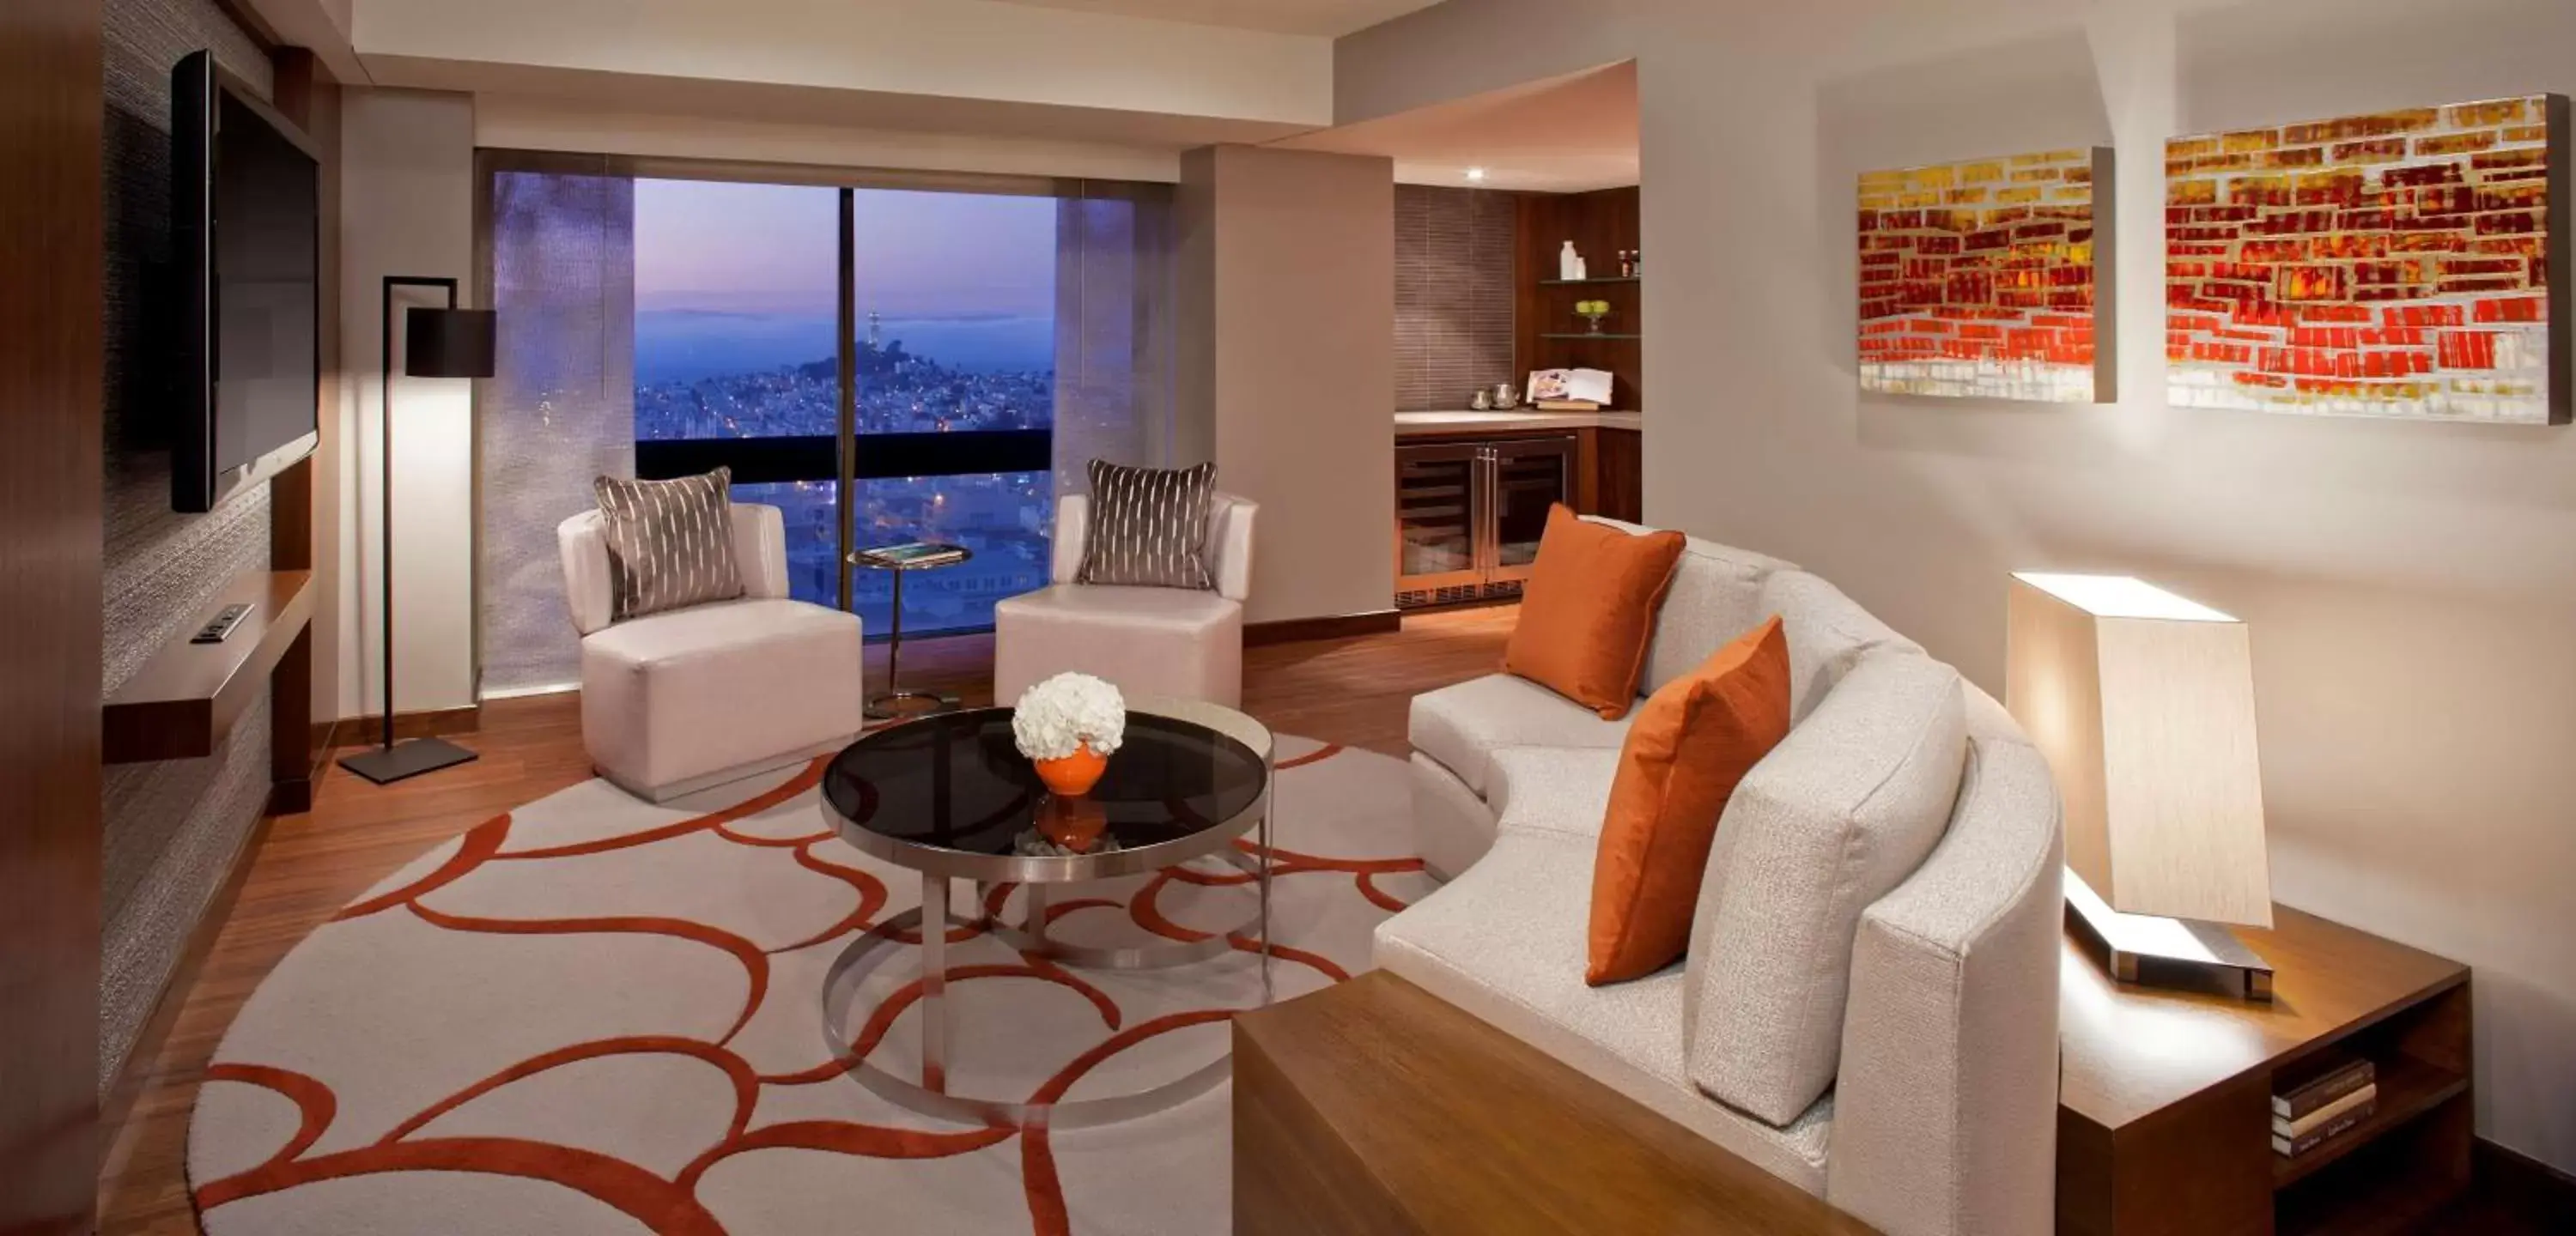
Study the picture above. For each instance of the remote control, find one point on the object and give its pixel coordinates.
(221, 625)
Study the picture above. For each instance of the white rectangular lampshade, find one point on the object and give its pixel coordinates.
(2143, 702)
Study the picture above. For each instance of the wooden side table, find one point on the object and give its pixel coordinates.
(1374, 1108)
(2164, 1110)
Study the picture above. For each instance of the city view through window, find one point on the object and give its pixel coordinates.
(736, 312)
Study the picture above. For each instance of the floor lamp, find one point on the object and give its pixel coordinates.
(437, 343)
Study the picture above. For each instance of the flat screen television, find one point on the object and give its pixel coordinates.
(246, 221)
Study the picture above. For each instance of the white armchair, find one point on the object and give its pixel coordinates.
(675, 702)
(1174, 642)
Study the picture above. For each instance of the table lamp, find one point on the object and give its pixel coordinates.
(2143, 703)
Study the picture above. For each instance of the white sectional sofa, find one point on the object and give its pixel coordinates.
(1869, 1005)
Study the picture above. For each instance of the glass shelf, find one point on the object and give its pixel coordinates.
(1558, 283)
(1587, 335)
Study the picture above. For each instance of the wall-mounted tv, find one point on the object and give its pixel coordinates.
(246, 218)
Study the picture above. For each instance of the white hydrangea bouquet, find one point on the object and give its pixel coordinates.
(1056, 718)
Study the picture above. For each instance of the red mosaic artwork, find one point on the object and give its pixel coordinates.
(2395, 264)
(1977, 279)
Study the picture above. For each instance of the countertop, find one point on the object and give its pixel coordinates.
(1415, 424)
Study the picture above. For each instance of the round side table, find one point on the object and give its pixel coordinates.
(895, 703)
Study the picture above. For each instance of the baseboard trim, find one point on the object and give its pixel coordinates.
(118, 1103)
(1445, 607)
(2525, 1186)
(1340, 626)
(368, 727)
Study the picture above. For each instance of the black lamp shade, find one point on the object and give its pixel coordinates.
(448, 343)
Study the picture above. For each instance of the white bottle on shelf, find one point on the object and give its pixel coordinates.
(1569, 264)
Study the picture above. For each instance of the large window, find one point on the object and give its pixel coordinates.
(737, 304)
(998, 335)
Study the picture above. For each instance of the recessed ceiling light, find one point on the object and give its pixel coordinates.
(1475, 173)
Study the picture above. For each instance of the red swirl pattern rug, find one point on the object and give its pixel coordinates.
(599, 1015)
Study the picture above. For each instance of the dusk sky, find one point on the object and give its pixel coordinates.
(771, 249)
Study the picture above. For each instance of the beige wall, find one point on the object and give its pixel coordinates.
(1287, 365)
(407, 208)
(954, 49)
(518, 122)
(2411, 587)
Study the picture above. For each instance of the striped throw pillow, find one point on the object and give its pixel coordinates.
(670, 543)
(1148, 527)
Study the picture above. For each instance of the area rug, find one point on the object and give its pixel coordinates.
(599, 1015)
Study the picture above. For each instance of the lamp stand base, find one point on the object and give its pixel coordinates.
(407, 759)
(2166, 952)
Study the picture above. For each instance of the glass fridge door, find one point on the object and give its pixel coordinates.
(1528, 477)
(1436, 516)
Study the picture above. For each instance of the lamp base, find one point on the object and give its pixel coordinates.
(2166, 952)
(407, 759)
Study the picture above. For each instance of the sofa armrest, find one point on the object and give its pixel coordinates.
(1946, 1101)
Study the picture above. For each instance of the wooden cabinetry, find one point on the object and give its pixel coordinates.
(2164, 1115)
(1546, 332)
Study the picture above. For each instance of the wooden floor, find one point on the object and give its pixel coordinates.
(1351, 691)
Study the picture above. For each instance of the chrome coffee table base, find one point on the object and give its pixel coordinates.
(930, 1096)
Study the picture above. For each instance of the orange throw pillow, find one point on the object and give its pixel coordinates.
(1694, 740)
(1588, 611)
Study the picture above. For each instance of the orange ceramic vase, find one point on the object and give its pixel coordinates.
(1073, 776)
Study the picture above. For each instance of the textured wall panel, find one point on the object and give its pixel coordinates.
(172, 832)
(170, 829)
(1453, 294)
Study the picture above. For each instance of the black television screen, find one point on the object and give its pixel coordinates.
(246, 209)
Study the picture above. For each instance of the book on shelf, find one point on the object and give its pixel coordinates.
(2337, 1077)
(2304, 1125)
(913, 553)
(1566, 405)
(2326, 1123)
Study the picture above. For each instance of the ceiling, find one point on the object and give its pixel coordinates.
(1566, 134)
(1326, 18)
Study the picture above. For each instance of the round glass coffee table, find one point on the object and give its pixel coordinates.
(951, 797)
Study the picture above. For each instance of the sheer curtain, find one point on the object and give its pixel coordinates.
(1113, 328)
(559, 410)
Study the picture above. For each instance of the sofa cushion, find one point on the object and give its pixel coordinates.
(1828, 633)
(1588, 611)
(1841, 812)
(1716, 595)
(673, 697)
(1462, 726)
(1173, 642)
(1505, 942)
(1692, 742)
(1557, 790)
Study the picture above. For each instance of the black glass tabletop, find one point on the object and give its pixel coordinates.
(957, 783)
